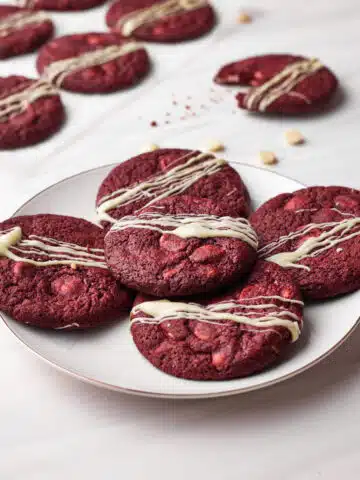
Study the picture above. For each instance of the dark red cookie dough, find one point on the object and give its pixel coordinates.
(61, 5)
(163, 264)
(121, 72)
(334, 271)
(174, 28)
(308, 95)
(59, 296)
(197, 350)
(16, 39)
(31, 122)
(224, 187)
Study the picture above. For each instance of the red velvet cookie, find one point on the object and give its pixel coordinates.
(180, 246)
(61, 5)
(285, 84)
(161, 21)
(22, 31)
(30, 111)
(53, 274)
(149, 177)
(315, 234)
(93, 62)
(235, 335)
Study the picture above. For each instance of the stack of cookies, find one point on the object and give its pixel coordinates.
(215, 291)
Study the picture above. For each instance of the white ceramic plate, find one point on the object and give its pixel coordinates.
(108, 358)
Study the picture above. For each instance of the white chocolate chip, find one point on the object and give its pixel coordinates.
(149, 148)
(244, 18)
(215, 146)
(73, 266)
(294, 137)
(338, 250)
(268, 158)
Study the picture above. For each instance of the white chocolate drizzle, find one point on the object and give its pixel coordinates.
(301, 210)
(131, 22)
(160, 311)
(334, 234)
(67, 327)
(53, 251)
(19, 20)
(18, 102)
(345, 214)
(56, 72)
(173, 182)
(281, 84)
(191, 226)
(25, 3)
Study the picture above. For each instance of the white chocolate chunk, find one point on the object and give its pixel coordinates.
(151, 147)
(268, 158)
(244, 18)
(294, 137)
(215, 146)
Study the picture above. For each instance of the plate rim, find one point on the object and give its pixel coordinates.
(175, 396)
(114, 164)
(181, 396)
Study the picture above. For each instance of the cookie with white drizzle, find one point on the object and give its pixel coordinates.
(280, 83)
(60, 5)
(30, 111)
(22, 31)
(93, 62)
(233, 335)
(180, 246)
(315, 234)
(152, 176)
(161, 20)
(53, 274)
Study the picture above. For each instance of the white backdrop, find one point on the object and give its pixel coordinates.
(53, 427)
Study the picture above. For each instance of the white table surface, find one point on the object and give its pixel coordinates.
(54, 427)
